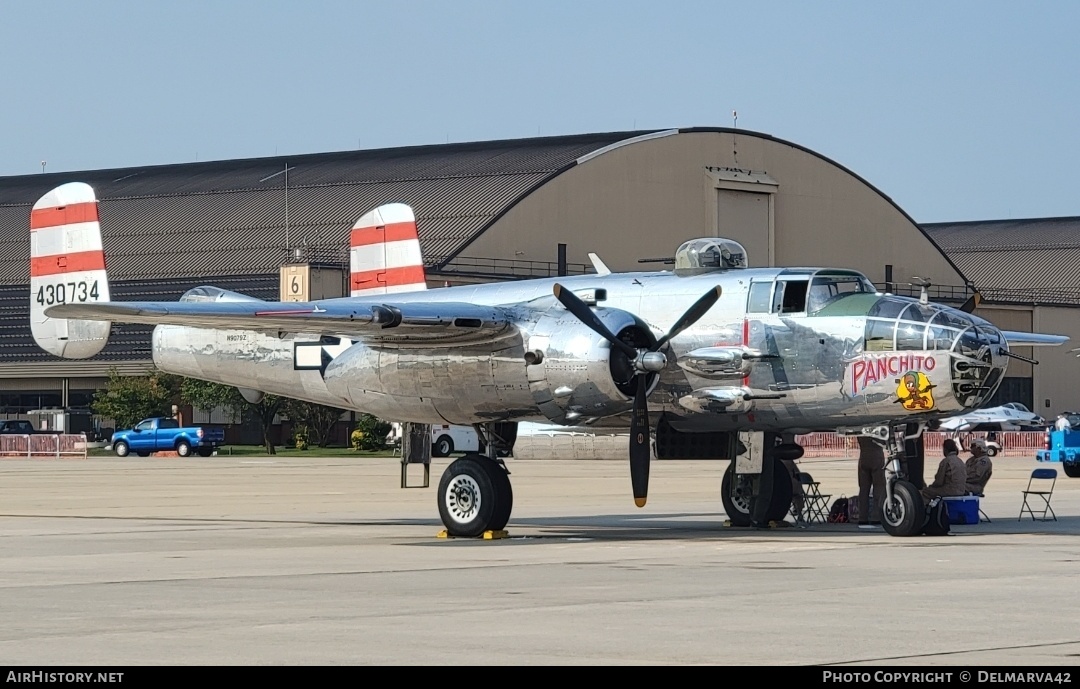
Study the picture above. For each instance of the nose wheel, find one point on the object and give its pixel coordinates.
(474, 496)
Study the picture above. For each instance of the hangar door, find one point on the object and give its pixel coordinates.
(1017, 385)
(744, 217)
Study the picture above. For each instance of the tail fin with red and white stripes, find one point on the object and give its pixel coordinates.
(67, 266)
(385, 252)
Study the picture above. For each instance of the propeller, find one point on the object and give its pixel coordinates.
(644, 361)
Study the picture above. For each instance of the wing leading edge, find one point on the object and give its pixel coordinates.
(413, 323)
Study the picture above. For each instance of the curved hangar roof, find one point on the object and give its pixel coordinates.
(229, 217)
(170, 227)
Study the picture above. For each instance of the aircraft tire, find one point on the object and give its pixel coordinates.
(468, 497)
(736, 496)
(1071, 469)
(442, 447)
(121, 449)
(504, 501)
(905, 513)
(183, 448)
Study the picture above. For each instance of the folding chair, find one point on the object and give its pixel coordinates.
(1039, 478)
(815, 505)
(982, 515)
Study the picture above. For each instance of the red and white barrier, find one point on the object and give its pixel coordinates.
(1013, 443)
(44, 445)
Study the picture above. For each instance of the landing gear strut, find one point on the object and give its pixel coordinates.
(474, 493)
(902, 511)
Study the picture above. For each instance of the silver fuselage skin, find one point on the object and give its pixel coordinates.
(813, 370)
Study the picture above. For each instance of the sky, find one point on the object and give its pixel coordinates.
(957, 110)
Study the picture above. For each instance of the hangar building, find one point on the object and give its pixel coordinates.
(504, 210)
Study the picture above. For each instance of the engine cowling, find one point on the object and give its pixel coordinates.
(574, 374)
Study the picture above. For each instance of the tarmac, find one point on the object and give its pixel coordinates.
(320, 561)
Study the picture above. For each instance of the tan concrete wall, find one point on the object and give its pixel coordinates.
(1056, 375)
(643, 199)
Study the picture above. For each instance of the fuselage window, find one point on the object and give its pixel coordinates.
(759, 297)
(879, 335)
(910, 335)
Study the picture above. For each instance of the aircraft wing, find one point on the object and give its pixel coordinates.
(412, 323)
(1020, 339)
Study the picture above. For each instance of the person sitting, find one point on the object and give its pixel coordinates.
(1062, 423)
(951, 477)
(979, 468)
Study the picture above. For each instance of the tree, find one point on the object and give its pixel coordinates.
(317, 419)
(127, 400)
(205, 395)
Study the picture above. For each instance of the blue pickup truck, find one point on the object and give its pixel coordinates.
(165, 435)
(1064, 447)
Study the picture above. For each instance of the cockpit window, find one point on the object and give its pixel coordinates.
(790, 296)
(827, 289)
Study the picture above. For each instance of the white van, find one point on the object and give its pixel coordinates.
(445, 440)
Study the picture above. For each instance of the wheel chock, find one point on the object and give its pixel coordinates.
(487, 535)
(770, 525)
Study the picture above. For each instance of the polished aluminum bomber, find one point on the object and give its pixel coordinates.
(720, 347)
(753, 362)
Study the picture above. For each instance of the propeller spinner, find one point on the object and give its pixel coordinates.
(644, 361)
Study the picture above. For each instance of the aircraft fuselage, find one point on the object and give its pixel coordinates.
(811, 362)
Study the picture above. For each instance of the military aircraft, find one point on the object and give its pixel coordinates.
(1011, 416)
(735, 360)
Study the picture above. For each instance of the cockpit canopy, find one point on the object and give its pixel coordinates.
(709, 254)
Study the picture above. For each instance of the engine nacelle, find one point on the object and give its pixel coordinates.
(211, 294)
(574, 374)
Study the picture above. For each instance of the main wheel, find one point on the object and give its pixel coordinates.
(472, 498)
(1071, 469)
(443, 446)
(736, 492)
(504, 497)
(121, 449)
(183, 448)
(904, 514)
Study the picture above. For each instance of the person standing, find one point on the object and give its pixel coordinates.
(871, 475)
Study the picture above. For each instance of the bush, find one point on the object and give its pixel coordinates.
(300, 438)
(370, 433)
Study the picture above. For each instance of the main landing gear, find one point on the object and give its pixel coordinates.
(757, 486)
(475, 496)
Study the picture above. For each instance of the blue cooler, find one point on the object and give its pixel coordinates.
(963, 510)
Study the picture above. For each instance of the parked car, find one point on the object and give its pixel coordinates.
(163, 435)
(17, 427)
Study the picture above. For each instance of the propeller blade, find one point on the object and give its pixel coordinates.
(640, 453)
(695, 312)
(972, 303)
(584, 314)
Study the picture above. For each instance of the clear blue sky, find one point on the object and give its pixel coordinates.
(957, 110)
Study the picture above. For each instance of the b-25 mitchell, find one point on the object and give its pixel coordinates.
(712, 354)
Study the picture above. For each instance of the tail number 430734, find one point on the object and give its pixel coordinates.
(67, 292)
